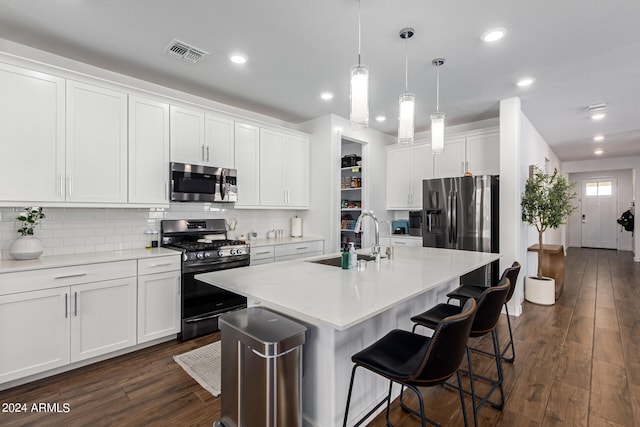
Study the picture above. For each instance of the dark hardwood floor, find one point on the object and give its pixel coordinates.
(577, 364)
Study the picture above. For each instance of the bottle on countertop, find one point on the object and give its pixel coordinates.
(353, 258)
(345, 260)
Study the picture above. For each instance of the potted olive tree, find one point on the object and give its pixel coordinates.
(546, 203)
(27, 246)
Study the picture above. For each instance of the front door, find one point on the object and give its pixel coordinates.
(598, 209)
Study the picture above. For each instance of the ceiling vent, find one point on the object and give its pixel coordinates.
(184, 51)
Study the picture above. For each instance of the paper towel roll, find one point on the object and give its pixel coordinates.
(296, 226)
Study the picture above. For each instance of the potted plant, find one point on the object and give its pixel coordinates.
(546, 203)
(27, 246)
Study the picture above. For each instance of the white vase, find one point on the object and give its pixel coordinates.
(26, 247)
(540, 291)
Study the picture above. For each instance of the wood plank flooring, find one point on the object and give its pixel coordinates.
(577, 364)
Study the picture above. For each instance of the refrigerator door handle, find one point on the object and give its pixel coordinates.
(449, 218)
(454, 225)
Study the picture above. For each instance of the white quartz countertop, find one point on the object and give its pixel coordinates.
(282, 241)
(11, 265)
(328, 295)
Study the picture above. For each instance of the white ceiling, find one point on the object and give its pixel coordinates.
(580, 52)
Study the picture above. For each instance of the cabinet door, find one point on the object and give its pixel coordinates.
(297, 171)
(272, 158)
(483, 154)
(32, 135)
(34, 332)
(451, 161)
(219, 142)
(187, 136)
(247, 155)
(148, 151)
(103, 317)
(398, 178)
(158, 305)
(96, 149)
(421, 168)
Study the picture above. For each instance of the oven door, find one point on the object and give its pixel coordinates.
(203, 304)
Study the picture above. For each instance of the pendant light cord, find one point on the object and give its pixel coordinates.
(437, 89)
(359, 31)
(406, 64)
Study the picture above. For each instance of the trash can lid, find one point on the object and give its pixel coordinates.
(265, 327)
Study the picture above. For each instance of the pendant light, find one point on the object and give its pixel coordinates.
(437, 118)
(359, 94)
(407, 102)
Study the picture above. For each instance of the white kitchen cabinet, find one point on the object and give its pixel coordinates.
(34, 332)
(103, 317)
(32, 135)
(158, 297)
(219, 142)
(201, 138)
(262, 255)
(247, 160)
(407, 166)
(284, 169)
(305, 249)
(477, 152)
(96, 147)
(148, 151)
(403, 241)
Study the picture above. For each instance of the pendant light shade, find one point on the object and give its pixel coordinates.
(437, 118)
(407, 104)
(359, 118)
(359, 91)
(407, 110)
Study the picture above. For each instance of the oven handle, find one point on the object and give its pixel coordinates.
(199, 319)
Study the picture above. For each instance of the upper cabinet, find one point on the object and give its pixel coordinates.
(407, 166)
(284, 169)
(148, 151)
(247, 156)
(201, 138)
(32, 135)
(96, 148)
(477, 152)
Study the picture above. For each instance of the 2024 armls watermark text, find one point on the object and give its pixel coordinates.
(43, 407)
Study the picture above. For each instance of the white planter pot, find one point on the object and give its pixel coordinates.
(26, 247)
(540, 291)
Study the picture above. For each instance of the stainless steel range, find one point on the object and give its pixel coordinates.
(205, 248)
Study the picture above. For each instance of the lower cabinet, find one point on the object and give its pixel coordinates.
(298, 250)
(158, 305)
(403, 241)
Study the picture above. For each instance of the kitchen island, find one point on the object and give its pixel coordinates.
(347, 310)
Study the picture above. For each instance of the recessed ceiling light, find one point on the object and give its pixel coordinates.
(326, 96)
(598, 138)
(380, 118)
(238, 58)
(525, 81)
(494, 34)
(598, 116)
(598, 152)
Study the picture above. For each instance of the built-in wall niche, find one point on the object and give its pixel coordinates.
(352, 184)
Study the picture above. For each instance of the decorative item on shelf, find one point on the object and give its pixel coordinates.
(407, 102)
(359, 94)
(437, 118)
(351, 160)
(27, 246)
(546, 203)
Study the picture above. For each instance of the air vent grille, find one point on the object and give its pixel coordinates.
(185, 51)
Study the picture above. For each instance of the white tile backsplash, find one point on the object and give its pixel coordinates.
(77, 230)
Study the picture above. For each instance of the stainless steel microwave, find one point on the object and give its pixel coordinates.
(199, 183)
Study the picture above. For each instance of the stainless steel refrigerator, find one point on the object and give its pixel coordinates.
(462, 213)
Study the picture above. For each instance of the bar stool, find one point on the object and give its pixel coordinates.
(464, 292)
(485, 321)
(413, 360)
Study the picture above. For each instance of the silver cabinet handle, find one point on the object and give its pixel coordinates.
(75, 309)
(301, 248)
(202, 152)
(66, 306)
(166, 190)
(62, 186)
(164, 264)
(207, 153)
(398, 242)
(263, 253)
(198, 319)
(68, 276)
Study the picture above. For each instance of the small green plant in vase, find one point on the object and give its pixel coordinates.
(27, 246)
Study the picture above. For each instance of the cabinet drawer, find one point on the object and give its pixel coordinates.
(262, 252)
(159, 264)
(65, 276)
(405, 241)
(299, 248)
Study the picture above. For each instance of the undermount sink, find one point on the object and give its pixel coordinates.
(337, 261)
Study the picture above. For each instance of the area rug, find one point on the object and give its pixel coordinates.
(203, 364)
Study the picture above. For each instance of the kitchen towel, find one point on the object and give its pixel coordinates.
(296, 226)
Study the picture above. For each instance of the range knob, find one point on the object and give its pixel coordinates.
(239, 252)
(207, 254)
(232, 251)
(220, 253)
(200, 255)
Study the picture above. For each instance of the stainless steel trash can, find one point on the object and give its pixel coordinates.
(261, 369)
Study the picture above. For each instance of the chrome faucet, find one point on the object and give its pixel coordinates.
(375, 249)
